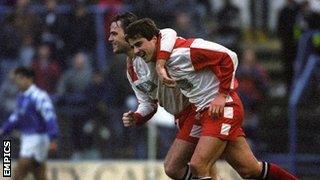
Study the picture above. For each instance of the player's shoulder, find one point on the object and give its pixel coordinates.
(166, 31)
(39, 93)
(200, 43)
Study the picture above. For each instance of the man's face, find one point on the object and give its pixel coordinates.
(21, 82)
(144, 48)
(117, 39)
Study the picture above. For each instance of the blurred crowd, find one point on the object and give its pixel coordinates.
(59, 40)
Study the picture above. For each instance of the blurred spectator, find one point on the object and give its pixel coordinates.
(27, 51)
(188, 14)
(117, 83)
(98, 97)
(8, 94)
(47, 69)
(207, 4)
(301, 23)
(229, 31)
(124, 143)
(253, 89)
(26, 22)
(56, 29)
(259, 12)
(76, 78)
(306, 23)
(9, 46)
(73, 102)
(308, 45)
(183, 25)
(57, 46)
(124, 140)
(253, 80)
(83, 36)
(51, 18)
(159, 11)
(286, 21)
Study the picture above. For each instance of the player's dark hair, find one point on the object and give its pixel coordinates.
(145, 28)
(25, 72)
(125, 19)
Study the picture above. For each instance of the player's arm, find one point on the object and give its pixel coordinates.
(167, 40)
(223, 63)
(146, 109)
(10, 124)
(46, 108)
(226, 74)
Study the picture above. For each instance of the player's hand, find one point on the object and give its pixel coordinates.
(163, 75)
(217, 105)
(53, 146)
(128, 119)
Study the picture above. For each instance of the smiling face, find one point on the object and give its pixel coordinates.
(144, 48)
(117, 39)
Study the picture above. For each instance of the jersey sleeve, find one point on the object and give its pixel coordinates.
(147, 107)
(167, 40)
(222, 61)
(11, 123)
(45, 107)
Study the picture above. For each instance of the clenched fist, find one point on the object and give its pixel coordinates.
(128, 119)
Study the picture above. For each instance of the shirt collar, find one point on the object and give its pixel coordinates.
(29, 90)
(157, 47)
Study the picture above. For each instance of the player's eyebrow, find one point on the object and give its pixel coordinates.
(113, 33)
(137, 44)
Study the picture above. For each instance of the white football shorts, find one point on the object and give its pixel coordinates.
(35, 146)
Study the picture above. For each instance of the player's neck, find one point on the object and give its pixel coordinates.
(130, 54)
(26, 87)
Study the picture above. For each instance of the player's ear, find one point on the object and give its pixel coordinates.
(154, 39)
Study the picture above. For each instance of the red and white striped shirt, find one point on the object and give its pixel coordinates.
(202, 69)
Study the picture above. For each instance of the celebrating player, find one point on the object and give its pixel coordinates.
(205, 73)
(149, 90)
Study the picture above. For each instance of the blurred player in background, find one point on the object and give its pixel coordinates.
(150, 91)
(205, 73)
(36, 119)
